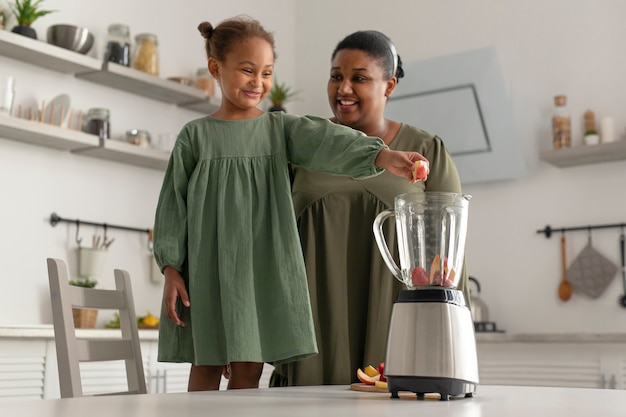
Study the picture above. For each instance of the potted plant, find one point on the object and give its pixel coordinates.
(279, 94)
(3, 18)
(84, 318)
(85, 283)
(26, 12)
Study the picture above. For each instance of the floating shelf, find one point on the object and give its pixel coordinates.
(115, 150)
(43, 134)
(42, 54)
(140, 83)
(116, 76)
(55, 137)
(585, 154)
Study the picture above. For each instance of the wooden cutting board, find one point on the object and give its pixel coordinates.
(359, 386)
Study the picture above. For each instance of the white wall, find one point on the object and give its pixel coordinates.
(546, 47)
(36, 181)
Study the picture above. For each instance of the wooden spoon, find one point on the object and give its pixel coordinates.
(565, 287)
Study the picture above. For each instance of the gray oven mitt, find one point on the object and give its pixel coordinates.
(591, 272)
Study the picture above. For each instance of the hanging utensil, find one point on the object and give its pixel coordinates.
(565, 288)
(621, 244)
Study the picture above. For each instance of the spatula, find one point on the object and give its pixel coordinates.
(565, 288)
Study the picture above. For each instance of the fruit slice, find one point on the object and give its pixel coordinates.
(419, 277)
(421, 170)
(370, 371)
(434, 269)
(381, 384)
(381, 371)
(364, 378)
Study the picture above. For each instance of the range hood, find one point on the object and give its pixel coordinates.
(462, 98)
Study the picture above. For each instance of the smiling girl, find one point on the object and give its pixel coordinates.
(225, 233)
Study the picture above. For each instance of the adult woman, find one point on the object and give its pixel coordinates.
(351, 289)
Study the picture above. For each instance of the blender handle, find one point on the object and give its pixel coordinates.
(382, 243)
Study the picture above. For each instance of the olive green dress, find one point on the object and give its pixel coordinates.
(351, 289)
(225, 219)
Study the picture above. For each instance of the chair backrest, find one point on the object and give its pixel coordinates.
(72, 350)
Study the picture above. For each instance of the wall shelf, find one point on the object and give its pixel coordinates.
(114, 150)
(139, 83)
(44, 55)
(585, 154)
(55, 137)
(54, 58)
(43, 134)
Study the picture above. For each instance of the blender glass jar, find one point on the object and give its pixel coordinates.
(431, 228)
(146, 56)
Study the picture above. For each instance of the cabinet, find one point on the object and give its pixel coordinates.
(54, 58)
(585, 154)
(28, 366)
(558, 363)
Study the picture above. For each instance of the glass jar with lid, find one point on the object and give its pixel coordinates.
(118, 44)
(204, 81)
(146, 56)
(97, 122)
(138, 137)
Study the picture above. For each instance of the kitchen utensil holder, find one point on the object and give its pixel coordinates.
(91, 262)
(156, 275)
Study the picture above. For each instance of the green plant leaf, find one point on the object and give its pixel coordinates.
(27, 11)
(85, 283)
(281, 93)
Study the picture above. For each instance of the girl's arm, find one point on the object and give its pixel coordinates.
(399, 163)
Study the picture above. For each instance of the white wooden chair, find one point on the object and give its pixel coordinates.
(72, 350)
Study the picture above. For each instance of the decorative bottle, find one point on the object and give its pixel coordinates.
(561, 124)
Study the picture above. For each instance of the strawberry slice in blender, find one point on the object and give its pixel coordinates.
(419, 277)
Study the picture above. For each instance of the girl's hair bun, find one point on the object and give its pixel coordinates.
(206, 29)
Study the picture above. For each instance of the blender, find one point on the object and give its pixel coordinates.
(431, 346)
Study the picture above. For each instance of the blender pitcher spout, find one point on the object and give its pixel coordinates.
(382, 243)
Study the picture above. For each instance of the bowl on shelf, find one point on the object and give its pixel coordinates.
(74, 38)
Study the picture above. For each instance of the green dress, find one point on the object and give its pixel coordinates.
(352, 291)
(225, 219)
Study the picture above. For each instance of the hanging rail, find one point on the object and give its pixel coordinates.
(549, 230)
(54, 219)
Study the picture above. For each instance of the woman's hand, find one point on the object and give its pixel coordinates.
(173, 288)
(399, 163)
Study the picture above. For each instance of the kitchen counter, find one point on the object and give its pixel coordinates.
(550, 337)
(45, 331)
(490, 400)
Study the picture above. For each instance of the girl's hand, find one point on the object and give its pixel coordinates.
(399, 163)
(173, 288)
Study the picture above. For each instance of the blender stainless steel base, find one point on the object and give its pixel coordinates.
(431, 347)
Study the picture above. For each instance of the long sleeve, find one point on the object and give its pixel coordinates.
(324, 146)
(170, 226)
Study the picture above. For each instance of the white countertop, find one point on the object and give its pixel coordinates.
(485, 337)
(45, 331)
(331, 401)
